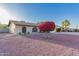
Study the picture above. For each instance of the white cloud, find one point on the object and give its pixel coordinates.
(5, 16)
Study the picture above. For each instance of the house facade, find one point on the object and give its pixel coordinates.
(22, 27)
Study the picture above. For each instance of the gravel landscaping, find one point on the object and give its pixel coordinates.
(42, 44)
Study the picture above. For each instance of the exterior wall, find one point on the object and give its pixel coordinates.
(29, 29)
(18, 29)
(12, 28)
(38, 30)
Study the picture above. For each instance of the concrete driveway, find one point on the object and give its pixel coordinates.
(44, 44)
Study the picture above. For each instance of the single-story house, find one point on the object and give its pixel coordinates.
(22, 27)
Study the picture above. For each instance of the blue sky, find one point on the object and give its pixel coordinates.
(56, 12)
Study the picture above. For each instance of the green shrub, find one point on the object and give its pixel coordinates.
(58, 30)
(3, 26)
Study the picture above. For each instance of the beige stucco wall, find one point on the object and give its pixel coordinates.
(18, 29)
(38, 30)
(29, 29)
(12, 28)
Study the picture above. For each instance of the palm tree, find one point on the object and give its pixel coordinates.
(65, 24)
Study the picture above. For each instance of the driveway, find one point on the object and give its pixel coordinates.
(43, 44)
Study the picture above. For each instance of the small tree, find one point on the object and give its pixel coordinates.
(46, 26)
(65, 24)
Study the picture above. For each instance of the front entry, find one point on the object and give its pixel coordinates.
(23, 29)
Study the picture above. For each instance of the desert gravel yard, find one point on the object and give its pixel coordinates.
(41, 44)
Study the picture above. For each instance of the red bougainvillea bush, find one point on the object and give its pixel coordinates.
(46, 26)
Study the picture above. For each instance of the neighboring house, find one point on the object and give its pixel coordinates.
(22, 27)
